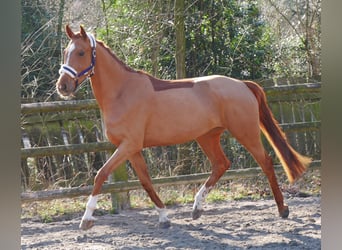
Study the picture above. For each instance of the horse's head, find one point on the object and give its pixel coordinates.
(79, 62)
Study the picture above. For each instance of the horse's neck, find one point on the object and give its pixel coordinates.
(109, 76)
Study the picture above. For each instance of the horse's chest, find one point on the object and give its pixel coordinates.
(121, 127)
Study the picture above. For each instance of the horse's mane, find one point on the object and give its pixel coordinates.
(153, 79)
(124, 65)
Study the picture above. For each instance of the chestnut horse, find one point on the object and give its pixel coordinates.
(142, 111)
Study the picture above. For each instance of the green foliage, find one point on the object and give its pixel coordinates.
(221, 37)
(226, 38)
(242, 39)
(50, 211)
(40, 54)
(128, 31)
(217, 195)
(295, 28)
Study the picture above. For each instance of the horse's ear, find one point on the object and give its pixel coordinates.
(69, 31)
(83, 32)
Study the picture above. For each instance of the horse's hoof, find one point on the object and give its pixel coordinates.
(196, 213)
(284, 213)
(86, 224)
(165, 224)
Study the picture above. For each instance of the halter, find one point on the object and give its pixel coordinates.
(89, 71)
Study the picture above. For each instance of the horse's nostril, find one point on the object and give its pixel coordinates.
(62, 87)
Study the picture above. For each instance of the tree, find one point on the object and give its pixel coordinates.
(180, 38)
(226, 37)
(296, 27)
(40, 54)
(183, 151)
(60, 27)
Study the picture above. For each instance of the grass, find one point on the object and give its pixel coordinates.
(48, 211)
(252, 188)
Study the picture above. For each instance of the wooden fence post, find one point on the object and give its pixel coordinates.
(120, 200)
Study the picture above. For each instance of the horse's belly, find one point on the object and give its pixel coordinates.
(166, 138)
(179, 128)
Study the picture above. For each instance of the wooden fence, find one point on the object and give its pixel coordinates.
(124, 186)
(295, 106)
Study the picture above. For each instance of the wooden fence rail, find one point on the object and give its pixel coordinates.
(107, 146)
(71, 105)
(124, 186)
(66, 149)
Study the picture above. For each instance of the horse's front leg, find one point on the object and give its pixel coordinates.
(119, 156)
(140, 168)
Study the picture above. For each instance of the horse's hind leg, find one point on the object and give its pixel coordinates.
(140, 167)
(210, 144)
(266, 163)
(253, 144)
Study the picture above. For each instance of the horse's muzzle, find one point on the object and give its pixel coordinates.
(65, 87)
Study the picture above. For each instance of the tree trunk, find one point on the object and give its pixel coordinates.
(180, 38)
(104, 10)
(184, 150)
(157, 38)
(59, 27)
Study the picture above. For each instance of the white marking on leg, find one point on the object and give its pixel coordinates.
(162, 215)
(91, 205)
(200, 196)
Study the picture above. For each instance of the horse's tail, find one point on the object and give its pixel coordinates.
(293, 163)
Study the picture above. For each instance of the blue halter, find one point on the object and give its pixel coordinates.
(89, 71)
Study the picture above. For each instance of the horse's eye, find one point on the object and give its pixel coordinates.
(81, 53)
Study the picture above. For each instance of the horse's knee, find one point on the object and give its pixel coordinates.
(101, 176)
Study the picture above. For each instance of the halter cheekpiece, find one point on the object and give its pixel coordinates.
(89, 71)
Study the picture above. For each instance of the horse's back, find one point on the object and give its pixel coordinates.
(190, 112)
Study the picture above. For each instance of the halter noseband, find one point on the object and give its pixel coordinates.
(89, 71)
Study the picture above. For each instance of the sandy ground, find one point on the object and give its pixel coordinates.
(224, 225)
